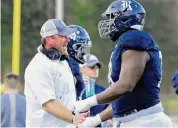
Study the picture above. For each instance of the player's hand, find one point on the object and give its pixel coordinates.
(81, 106)
(84, 105)
(91, 121)
(80, 118)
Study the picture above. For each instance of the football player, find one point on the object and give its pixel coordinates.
(78, 47)
(175, 81)
(79, 50)
(135, 71)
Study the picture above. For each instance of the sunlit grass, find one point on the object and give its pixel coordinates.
(170, 106)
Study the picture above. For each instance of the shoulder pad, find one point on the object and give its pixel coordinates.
(138, 40)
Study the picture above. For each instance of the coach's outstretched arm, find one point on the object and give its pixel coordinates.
(60, 111)
(132, 67)
(46, 97)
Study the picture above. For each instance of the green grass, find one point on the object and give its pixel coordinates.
(170, 106)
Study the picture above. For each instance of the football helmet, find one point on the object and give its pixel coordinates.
(120, 16)
(79, 44)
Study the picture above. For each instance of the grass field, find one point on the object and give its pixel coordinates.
(170, 107)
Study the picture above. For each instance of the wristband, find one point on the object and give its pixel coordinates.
(92, 100)
(73, 118)
(98, 119)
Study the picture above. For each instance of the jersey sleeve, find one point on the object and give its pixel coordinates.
(175, 81)
(77, 74)
(137, 40)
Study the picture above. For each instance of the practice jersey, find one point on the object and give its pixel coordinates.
(146, 92)
(13, 110)
(175, 81)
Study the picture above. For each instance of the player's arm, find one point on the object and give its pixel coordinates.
(106, 114)
(132, 67)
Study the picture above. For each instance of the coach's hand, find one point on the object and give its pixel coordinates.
(84, 105)
(80, 118)
(91, 121)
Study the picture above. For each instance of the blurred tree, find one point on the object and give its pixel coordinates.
(34, 14)
(6, 39)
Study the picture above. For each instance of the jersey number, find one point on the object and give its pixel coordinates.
(160, 57)
(73, 36)
(110, 70)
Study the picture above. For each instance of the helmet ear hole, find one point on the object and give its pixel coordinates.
(110, 15)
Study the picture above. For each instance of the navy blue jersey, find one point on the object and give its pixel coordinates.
(18, 118)
(175, 81)
(76, 72)
(146, 92)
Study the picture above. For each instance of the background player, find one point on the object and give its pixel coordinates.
(175, 81)
(78, 49)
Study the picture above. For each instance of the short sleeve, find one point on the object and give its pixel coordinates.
(41, 83)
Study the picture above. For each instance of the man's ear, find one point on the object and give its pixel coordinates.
(81, 69)
(48, 40)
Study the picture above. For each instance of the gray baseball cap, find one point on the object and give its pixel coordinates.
(93, 60)
(55, 26)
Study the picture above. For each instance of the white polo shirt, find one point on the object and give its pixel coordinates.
(47, 79)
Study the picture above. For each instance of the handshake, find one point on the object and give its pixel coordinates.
(80, 120)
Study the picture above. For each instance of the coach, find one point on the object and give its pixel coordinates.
(49, 83)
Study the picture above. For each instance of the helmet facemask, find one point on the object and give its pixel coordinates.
(120, 16)
(107, 25)
(81, 50)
